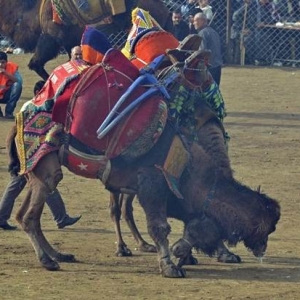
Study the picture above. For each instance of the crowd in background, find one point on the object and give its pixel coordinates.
(253, 26)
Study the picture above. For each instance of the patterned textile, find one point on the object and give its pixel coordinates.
(87, 11)
(56, 92)
(182, 106)
(38, 130)
(37, 135)
(214, 98)
(184, 100)
(142, 22)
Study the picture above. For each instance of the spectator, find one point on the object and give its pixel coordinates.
(206, 9)
(246, 33)
(38, 86)
(181, 29)
(18, 183)
(210, 41)
(192, 13)
(10, 85)
(265, 14)
(187, 7)
(258, 39)
(76, 53)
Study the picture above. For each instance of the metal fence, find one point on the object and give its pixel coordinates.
(250, 33)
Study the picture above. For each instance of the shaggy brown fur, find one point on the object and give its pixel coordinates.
(20, 21)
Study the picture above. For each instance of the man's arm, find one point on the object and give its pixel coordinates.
(204, 42)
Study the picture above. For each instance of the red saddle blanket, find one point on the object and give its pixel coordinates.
(94, 97)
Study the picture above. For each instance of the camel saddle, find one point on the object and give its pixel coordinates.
(94, 97)
(85, 12)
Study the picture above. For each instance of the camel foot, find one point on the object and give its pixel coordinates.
(229, 258)
(170, 270)
(145, 247)
(48, 263)
(187, 260)
(68, 258)
(123, 251)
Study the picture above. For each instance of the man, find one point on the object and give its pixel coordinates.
(242, 32)
(10, 85)
(210, 41)
(187, 7)
(265, 38)
(181, 28)
(18, 183)
(76, 53)
(206, 8)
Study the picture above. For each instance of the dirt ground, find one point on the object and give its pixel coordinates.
(263, 120)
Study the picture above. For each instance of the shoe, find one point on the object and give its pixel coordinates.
(1, 113)
(68, 221)
(6, 226)
(9, 116)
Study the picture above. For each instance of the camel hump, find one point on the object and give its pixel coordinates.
(87, 11)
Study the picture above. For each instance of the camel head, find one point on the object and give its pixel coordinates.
(264, 224)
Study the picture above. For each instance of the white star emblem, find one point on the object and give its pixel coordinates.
(82, 167)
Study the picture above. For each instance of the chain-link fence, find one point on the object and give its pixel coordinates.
(6, 44)
(260, 32)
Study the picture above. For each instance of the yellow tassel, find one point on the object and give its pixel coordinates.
(134, 15)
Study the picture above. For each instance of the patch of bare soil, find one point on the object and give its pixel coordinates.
(263, 120)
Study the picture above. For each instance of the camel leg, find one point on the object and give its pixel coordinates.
(115, 214)
(127, 214)
(225, 256)
(182, 249)
(201, 233)
(29, 218)
(41, 182)
(47, 48)
(152, 194)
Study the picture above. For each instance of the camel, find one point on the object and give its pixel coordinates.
(212, 205)
(29, 24)
(122, 204)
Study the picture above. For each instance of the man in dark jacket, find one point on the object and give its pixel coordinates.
(210, 41)
(181, 28)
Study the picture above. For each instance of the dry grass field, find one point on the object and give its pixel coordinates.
(263, 120)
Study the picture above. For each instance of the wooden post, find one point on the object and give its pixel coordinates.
(242, 46)
(228, 31)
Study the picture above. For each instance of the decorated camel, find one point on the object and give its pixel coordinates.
(141, 152)
(45, 26)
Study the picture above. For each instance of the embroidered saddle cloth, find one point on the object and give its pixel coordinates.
(86, 11)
